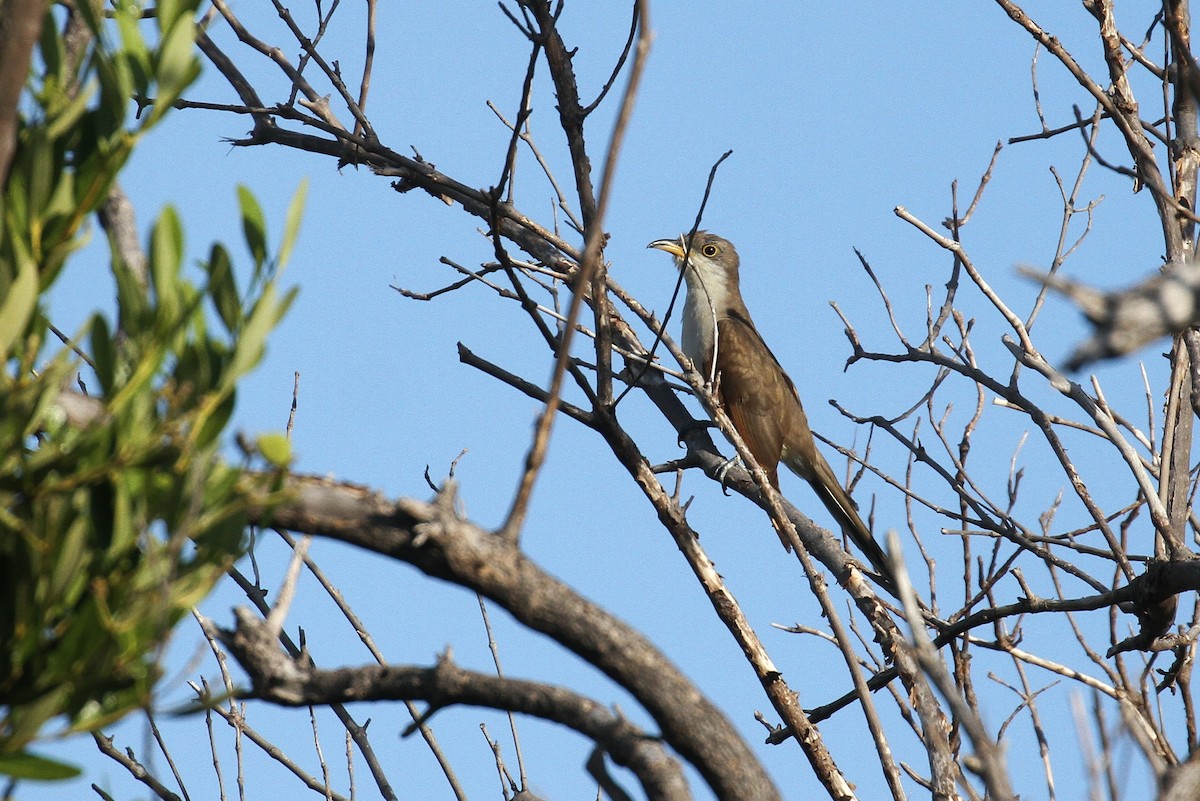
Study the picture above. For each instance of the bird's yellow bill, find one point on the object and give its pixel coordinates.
(672, 246)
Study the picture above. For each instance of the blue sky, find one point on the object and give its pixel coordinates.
(836, 114)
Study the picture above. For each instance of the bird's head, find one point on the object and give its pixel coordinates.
(712, 259)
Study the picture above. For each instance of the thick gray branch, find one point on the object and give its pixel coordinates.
(434, 539)
(282, 679)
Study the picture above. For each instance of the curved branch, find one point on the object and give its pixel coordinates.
(431, 537)
(282, 679)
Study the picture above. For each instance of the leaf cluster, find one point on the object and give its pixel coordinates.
(117, 512)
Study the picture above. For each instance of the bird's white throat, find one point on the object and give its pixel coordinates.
(707, 303)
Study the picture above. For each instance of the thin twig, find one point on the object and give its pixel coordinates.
(589, 265)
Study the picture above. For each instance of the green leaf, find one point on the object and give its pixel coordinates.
(67, 117)
(252, 340)
(222, 289)
(275, 448)
(42, 171)
(51, 47)
(177, 65)
(214, 423)
(132, 302)
(166, 258)
(124, 523)
(135, 57)
(26, 765)
(120, 79)
(18, 304)
(255, 227)
(103, 355)
(67, 576)
(95, 565)
(291, 228)
(168, 13)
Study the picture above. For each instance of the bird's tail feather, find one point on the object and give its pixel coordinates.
(842, 507)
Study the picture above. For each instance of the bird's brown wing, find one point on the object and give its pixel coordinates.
(766, 410)
(742, 326)
(749, 388)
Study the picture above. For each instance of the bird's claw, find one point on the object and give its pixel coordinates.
(723, 473)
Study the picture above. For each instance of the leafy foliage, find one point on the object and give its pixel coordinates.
(117, 513)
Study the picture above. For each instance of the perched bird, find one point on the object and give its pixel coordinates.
(761, 401)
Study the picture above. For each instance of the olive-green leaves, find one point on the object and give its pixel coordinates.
(115, 520)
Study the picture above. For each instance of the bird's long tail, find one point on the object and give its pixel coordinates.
(842, 507)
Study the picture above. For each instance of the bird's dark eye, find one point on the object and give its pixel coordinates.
(710, 250)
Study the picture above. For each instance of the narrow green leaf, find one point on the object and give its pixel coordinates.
(120, 79)
(131, 297)
(177, 65)
(26, 765)
(42, 172)
(215, 422)
(248, 349)
(134, 53)
(18, 305)
(281, 309)
(255, 227)
(103, 355)
(67, 575)
(166, 258)
(168, 12)
(291, 228)
(51, 48)
(222, 288)
(67, 118)
(125, 525)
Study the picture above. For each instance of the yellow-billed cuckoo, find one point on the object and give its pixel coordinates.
(761, 401)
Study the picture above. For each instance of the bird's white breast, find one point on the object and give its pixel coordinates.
(707, 300)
